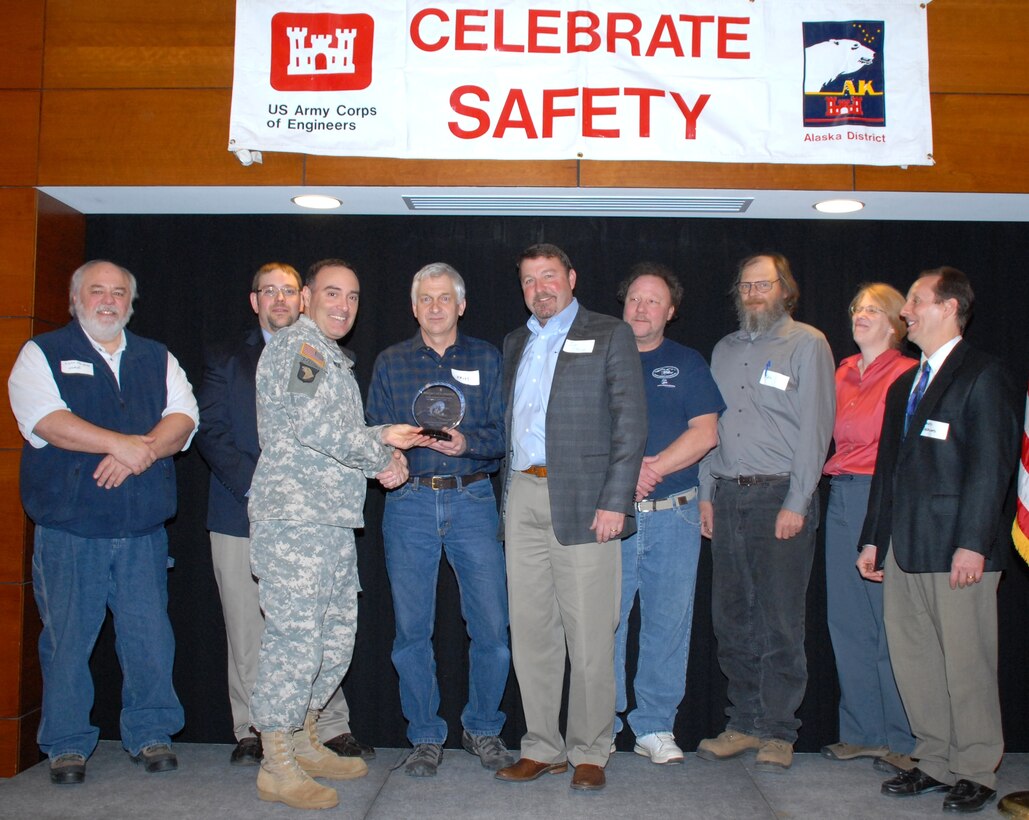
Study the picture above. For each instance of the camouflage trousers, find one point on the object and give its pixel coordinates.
(308, 585)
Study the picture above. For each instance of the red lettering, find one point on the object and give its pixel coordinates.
(614, 35)
(461, 26)
(665, 36)
(645, 96)
(550, 111)
(416, 36)
(589, 29)
(724, 36)
(515, 99)
(476, 114)
(696, 22)
(498, 34)
(589, 111)
(536, 29)
(691, 114)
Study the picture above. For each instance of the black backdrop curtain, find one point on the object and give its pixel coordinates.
(194, 274)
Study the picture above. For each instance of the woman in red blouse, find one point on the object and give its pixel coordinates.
(872, 718)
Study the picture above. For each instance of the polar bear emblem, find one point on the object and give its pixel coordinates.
(831, 59)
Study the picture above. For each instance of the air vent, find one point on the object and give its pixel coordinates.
(578, 204)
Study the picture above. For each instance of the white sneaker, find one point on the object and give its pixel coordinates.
(659, 747)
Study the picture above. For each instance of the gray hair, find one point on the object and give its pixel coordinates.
(434, 270)
(82, 270)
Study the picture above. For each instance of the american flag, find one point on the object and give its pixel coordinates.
(1020, 530)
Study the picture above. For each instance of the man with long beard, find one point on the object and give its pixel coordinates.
(758, 506)
(102, 412)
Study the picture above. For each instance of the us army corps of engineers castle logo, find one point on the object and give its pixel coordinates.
(321, 52)
(844, 74)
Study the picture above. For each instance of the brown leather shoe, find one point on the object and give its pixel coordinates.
(527, 769)
(588, 776)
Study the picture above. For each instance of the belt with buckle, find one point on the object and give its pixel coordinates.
(536, 470)
(667, 503)
(446, 482)
(753, 480)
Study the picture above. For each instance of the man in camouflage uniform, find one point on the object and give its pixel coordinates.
(307, 496)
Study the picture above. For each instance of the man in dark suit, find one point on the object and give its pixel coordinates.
(936, 533)
(228, 442)
(576, 430)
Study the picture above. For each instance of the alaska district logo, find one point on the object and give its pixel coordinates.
(844, 73)
(664, 373)
(321, 52)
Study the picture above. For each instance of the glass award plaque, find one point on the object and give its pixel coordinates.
(437, 407)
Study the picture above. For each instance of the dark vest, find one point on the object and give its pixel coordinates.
(57, 486)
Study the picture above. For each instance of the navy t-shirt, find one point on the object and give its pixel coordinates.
(679, 387)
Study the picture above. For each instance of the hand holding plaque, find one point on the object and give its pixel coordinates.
(437, 407)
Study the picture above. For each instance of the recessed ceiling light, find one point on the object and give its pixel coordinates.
(320, 202)
(839, 206)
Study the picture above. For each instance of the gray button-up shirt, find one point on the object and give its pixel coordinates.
(780, 405)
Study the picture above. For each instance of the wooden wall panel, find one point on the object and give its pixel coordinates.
(19, 137)
(977, 46)
(18, 749)
(11, 608)
(31, 695)
(172, 137)
(391, 172)
(139, 44)
(13, 333)
(979, 145)
(17, 248)
(21, 43)
(60, 250)
(714, 175)
(14, 561)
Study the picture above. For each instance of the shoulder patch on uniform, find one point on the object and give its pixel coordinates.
(304, 379)
(309, 351)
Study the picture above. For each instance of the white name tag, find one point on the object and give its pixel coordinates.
(936, 429)
(466, 376)
(81, 368)
(579, 345)
(769, 378)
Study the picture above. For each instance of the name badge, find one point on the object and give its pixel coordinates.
(769, 378)
(578, 345)
(936, 429)
(75, 367)
(466, 376)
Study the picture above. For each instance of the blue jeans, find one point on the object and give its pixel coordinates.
(75, 581)
(417, 522)
(871, 712)
(758, 602)
(660, 562)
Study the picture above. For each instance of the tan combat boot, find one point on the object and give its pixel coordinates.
(281, 780)
(318, 760)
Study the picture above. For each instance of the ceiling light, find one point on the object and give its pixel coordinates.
(320, 202)
(839, 206)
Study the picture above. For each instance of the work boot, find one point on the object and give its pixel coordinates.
(727, 745)
(281, 780)
(318, 760)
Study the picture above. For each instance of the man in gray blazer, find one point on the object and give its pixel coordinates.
(576, 430)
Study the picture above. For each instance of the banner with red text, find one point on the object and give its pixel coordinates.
(789, 81)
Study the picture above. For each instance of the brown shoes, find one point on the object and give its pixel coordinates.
(588, 777)
(526, 769)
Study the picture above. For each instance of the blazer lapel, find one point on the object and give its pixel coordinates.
(941, 381)
(576, 331)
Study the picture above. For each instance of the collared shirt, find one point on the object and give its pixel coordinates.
(471, 366)
(34, 393)
(860, 403)
(780, 407)
(532, 386)
(935, 361)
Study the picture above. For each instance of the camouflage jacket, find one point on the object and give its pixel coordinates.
(315, 448)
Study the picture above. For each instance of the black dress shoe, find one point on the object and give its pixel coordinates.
(346, 745)
(248, 752)
(914, 782)
(967, 796)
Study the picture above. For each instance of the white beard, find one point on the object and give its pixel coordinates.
(97, 330)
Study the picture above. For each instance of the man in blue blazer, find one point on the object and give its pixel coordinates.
(576, 430)
(936, 534)
(228, 442)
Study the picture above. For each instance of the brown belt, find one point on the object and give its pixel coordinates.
(538, 471)
(446, 482)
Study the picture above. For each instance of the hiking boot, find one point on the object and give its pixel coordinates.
(281, 780)
(319, 761)
(727, 745)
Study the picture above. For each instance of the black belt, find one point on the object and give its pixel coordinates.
(446, 482)
(752, 480)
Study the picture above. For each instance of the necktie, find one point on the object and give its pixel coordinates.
(916, 396)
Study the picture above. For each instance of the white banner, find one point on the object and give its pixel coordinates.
(794, 81)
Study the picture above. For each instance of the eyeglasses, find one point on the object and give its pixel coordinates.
(270, 292)
(871, 310)
(763, 286)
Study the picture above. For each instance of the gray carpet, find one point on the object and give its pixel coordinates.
(206, 786)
